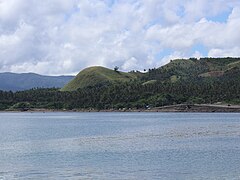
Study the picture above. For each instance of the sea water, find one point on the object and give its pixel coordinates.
(119, 146)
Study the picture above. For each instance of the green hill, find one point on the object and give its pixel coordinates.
(193, 68)
(98, 75)
(175, 71)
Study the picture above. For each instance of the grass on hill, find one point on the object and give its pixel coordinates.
(174, 71)
(97, 75)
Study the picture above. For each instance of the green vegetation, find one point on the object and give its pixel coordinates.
(97, 76)
(208, 80)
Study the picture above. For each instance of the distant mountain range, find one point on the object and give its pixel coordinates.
(24, 81)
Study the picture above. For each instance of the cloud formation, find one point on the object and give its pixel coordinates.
(65, 36)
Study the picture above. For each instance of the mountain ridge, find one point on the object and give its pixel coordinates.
(175, 70)
(23, 81)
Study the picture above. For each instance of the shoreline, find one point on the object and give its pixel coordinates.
(197, 108)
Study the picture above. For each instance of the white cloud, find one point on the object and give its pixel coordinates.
(130, 63)
(233, 52)
(174, 55)
(65, 36)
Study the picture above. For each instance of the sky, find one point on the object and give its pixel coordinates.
(54, 37)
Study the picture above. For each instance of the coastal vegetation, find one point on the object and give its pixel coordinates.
(189, 81)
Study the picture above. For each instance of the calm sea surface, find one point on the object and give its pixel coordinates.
(119, 146)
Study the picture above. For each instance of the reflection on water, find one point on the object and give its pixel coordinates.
(119, 146)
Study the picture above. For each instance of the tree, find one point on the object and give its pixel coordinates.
(116, 68)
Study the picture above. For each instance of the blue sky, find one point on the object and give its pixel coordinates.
(64, 36)
(222, 17)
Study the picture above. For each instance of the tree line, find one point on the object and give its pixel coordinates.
(132, 94)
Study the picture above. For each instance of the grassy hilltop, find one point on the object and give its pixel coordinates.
(98, 75)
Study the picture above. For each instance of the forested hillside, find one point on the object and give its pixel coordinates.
(190, 81)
